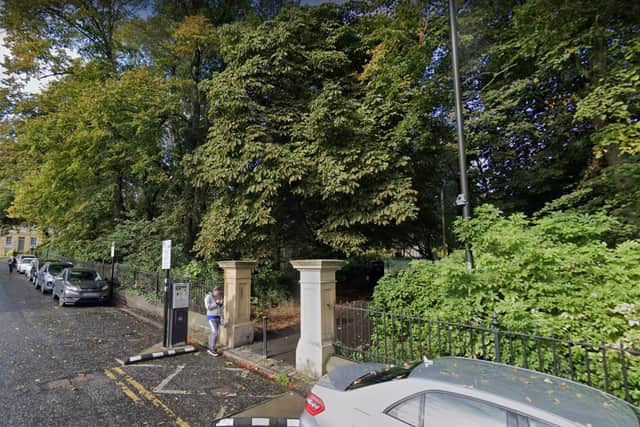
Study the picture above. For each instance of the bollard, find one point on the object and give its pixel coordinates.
(264, 336)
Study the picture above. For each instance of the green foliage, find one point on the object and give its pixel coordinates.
(290, 155)
(147, 294)
(535, 274)
(282, 379)
(90, 151)
(271, 287)
(249, 129)
(615, 191)
(200, 271)
(555, 89)
(552, 276)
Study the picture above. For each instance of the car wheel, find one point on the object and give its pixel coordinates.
(43, 289)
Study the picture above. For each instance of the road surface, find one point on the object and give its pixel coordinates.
(60, 366)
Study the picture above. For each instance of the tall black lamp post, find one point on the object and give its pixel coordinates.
(463, 197)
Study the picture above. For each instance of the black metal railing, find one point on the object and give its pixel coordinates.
(369, 335)
(198, 290)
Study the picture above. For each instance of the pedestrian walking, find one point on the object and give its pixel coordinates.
(213, 301)
(12, 263)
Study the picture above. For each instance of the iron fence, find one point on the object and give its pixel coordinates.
(197, 291)
(377, 336)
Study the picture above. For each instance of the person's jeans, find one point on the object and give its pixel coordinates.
(213, 338)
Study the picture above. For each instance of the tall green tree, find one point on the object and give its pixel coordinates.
(92, 155)
(43, 34)
(552, 94)
(290, 154)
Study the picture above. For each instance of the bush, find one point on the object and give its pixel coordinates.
(200, 271)
(271, 287)
(551, 274)
(554, 275)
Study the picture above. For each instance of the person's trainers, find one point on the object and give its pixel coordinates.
(213, 353)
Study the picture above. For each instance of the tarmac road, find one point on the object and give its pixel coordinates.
(60, 366)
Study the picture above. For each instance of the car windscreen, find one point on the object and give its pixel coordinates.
(57, 268)
(83, 275)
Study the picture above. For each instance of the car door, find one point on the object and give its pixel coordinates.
(54, 289)
(59, 282)
(41, 274)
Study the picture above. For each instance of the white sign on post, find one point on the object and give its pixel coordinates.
(166, 254)
(113, 249)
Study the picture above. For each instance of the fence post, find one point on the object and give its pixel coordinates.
(625, 380)
(496, 336)
(264, 336)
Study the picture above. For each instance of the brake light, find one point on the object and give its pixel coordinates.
(314, 404)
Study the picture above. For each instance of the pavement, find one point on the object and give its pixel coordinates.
(63, 366)
(278, 366)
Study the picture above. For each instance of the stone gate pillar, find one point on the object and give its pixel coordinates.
(238, 329)
(317, 314)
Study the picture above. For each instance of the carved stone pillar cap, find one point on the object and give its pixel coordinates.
(317, 264)
(237, 264)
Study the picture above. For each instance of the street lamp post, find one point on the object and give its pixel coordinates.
(463, 197)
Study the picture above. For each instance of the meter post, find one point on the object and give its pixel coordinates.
(168, 291)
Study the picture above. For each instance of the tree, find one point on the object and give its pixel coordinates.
(92, 153)
(551, 92)
(289, 153)
(43, 34)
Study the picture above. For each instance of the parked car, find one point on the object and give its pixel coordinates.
(24, 261)
(48, 274)
(32, 270)
(455, 391)
(80, 285)
(36, 267)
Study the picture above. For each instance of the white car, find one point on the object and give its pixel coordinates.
(31, 271)
(459, 392)
(24, 262)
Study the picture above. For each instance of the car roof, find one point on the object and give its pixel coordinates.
(68, 264)
(82, 269)
(549, 393)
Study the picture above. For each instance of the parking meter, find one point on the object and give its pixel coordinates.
(179, 314)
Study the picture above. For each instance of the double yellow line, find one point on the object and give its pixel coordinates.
(123, 381)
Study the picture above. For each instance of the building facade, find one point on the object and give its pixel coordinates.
(19, 239)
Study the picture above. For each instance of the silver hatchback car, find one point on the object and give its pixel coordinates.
(80, 285)
(49, 272)
(459, 392)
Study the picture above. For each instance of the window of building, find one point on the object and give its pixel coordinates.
(9, 242)
(34, 242)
